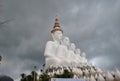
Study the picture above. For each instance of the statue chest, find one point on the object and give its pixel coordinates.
(62, 51)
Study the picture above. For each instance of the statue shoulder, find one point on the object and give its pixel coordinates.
(49, 49)
(49, 43)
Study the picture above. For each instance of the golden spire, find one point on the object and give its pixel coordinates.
(56, 25)
(56, 22)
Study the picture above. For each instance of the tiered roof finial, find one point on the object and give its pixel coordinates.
(56, 25)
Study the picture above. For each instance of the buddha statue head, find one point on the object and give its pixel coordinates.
(57, 36)
(66, 41)
(57, 32)
(72, 47)
(78, 51)
(83, 54)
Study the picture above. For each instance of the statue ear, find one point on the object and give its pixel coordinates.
(52, 36)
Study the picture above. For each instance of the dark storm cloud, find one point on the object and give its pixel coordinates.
(93, 25)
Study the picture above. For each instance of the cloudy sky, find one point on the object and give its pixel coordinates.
(93, 25)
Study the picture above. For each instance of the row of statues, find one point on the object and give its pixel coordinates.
(61, 52)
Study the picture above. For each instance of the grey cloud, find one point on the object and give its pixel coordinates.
(91, 24)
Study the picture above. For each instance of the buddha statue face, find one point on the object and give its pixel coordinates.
(66, 41)
(72, 45)
(83, 54)
(77, 51)
(57, 36)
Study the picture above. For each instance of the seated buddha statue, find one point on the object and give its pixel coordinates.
(83, 57)
(72, 56)
(51, 58)
(78, 56)
(62, 51)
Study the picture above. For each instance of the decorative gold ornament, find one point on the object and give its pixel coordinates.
(56, 26)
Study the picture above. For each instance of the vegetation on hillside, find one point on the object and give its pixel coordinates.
(44, 76)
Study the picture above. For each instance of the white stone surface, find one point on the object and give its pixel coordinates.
(117, 74)
(100, 78)
(61, 54)
(109, 77)
(51, 50)
(92, 78)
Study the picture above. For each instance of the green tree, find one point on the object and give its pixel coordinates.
(34, 75)
(44, 77)
(66, 74)
(29, 78)
(23, 77)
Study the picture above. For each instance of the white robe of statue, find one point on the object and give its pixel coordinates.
(78, 56)
(62, 51)
(83, 55)
(72, 56)
(51, 50)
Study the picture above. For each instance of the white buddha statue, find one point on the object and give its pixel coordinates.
(78, 56)
(83, 57)
(72, 56)
(52, 46)
(62, 51)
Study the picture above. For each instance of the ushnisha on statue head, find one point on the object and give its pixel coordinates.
(56, 32)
